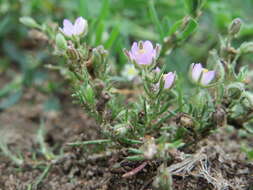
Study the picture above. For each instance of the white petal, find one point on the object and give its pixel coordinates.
(80, 26)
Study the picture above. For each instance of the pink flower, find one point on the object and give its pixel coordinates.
(169, 80)
(157, 70)
(79, 27)
(201, 75)
(143, 53)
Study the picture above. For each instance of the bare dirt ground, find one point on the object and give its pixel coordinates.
(218, 163)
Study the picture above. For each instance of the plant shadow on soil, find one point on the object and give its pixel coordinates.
(219, 163)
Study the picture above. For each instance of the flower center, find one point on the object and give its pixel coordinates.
(205, 70)
(131, 71)
(142, 50)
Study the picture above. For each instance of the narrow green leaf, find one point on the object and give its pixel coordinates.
(190, 28)
(175, 27)
(104, 10)
(99, 32)
(10, 100)
(83, 8)
(135, 151)
(113, 36)
(100, 141)
(155, 19)
(135, 158)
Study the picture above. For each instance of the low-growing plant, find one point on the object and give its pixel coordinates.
(146, 109)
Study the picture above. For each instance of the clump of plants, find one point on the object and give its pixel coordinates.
(144, 109)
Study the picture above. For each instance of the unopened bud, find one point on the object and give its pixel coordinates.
(163, 180)
(73, 54)
(185, 120)
(246, 47)
(235, 89)
(149, 147)
(235, 26)
(99, 54)
(121, 129)
(102, 51)
(158, 50)
(28, 21)
(249, 98)
(61, 42)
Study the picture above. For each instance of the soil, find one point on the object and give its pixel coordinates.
(219, 162)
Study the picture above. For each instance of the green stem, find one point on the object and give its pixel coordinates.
(100, 141)
(42, 176)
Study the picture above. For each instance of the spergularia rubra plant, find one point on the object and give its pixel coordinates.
(149, 118)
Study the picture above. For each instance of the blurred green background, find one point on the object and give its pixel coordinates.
(113, 23)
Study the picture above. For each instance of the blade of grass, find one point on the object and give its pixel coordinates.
(83, 9)
(104, 11)
(100, 141)
(155, 19)
(9, 154)
(43, 146)
(41, 177)
(99, 32)
(113, 36)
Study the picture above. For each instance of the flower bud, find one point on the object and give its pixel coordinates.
(163, 180)
(73, 54)
(28, 21)
(157, 50)
(149, 147)
(99, 54)
(169, 80)
(120, 129)
(61, 43)
(235, 26)
(185, 120)
(246, 47)
(235, 89)
(249, 97)
(157, 70)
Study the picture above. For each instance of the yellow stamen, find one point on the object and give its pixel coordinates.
(131, 71)
(142, 51)
(205, 70)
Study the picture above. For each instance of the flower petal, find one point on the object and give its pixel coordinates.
(80, 25)
(148, 46)
(67, 28)
(67, 24)
(157, 70)
(207, 77)
(196, 71)
(144, 59)
(168, 80)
